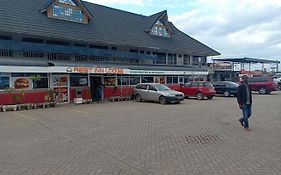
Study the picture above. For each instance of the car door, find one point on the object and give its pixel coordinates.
(143, 91)
(184, 89)
(219, 87)
(193, 89)
(189, 89)
(153, 93)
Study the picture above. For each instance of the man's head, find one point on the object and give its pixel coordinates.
(245, 78)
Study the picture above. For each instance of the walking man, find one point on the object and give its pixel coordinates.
(244, 99)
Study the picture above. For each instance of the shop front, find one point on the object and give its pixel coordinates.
(87, 83)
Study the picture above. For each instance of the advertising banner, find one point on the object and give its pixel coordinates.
(21, 83)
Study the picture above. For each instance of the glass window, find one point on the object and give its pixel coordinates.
(68, 13)
(39, 80)
(125, 81)
(194, 84)
(187, 79)
(169, 80)
(172, 80)
(4, 82)
(232, 84)
(152, 88)
(159, 80)
(78, 80)
(109, 81)
(186, 60)
(172, 59)
(41, 83)
(160, 58)
(141, 86)
(208, 84)
(181, 79)
(18, 75)
(147, 79)
(160, 29)
(162, 87)
(134, 80)
(175, 80)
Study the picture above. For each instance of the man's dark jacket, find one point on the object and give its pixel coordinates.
(242, 94)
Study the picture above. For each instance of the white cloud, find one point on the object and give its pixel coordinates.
(235, 27)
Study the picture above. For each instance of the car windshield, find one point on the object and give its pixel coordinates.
(162, 87)
(232, 84)
(207, 84)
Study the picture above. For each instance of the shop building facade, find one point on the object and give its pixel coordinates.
(72, 46)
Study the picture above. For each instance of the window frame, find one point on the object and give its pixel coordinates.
(9, 81)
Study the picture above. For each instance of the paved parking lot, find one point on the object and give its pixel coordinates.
(129, 138)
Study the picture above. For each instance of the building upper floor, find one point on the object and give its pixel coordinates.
(75, 28)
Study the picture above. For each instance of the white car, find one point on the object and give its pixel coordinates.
(156, 92)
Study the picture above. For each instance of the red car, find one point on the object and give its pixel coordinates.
(263, 85)
(198, 89)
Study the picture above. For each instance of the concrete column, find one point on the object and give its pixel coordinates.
(191, 60)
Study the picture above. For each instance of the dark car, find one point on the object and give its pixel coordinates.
(227, 88)
(263, 85)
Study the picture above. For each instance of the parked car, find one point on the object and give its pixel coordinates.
(279, 85)
(198, 89)
(277, 80)
(227, 88)
(156, 92)
(263, 85)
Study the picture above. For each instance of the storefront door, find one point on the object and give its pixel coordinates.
(97, 88)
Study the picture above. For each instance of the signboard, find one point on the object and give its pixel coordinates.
(21, 83)
(60, 85)
(97, 70)
(156, 72)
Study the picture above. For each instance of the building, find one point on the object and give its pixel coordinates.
(71, 45)
(230, 69)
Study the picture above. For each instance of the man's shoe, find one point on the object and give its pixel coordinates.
(241, 122)
(247, 129)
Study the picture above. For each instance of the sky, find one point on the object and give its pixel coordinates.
(235, 28)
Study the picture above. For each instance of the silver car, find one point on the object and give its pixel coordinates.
(156, 92)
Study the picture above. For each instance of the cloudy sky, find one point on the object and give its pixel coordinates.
(235, 28)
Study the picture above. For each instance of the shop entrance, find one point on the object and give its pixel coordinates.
(97, 88)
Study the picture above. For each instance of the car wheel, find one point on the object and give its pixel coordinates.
(226, 94)
(178, 102)
(262, 90)
(138, 98)
(210, 97)
(162, 100)
(200, 96)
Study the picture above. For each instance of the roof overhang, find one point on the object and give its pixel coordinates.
(248, 60)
